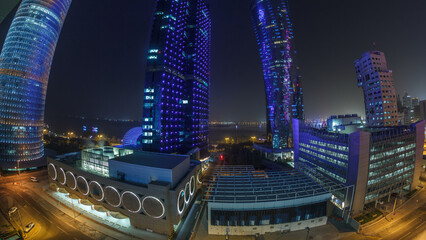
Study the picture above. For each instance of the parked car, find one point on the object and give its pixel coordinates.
(34, 179)
(29, 227)
(12, 210)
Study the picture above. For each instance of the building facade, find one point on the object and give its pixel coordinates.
(376, 81)
(284, 101)
(149, 191)
(177, 84)
(243, 201)
(25, 63)
(377, 161)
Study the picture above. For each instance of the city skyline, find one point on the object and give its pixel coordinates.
(341, 37)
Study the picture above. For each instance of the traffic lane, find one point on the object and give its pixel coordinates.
(54, 221)
(22, 179)
(43, 228)
(413, 228)
(408, 211)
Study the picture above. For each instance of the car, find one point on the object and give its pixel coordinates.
(29, 227)
(12, 210)
(34, 179)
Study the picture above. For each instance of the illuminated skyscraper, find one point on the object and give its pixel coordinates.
(197, 82)
(25, 63)
(376, 80)
(176, 95)
(274, 33)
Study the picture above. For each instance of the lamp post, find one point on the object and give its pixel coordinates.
(307, 232)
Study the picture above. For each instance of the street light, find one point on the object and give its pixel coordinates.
(307, 233)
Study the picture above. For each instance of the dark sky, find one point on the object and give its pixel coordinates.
(99, 64)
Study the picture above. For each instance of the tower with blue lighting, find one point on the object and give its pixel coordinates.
(284, 95)
(177, 83)
(25, 63)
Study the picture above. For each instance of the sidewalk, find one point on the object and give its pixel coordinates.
(115, 232)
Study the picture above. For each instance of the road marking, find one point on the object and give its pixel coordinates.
(405, 235)
(420, 225)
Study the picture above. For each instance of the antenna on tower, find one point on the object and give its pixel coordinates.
(374, 46)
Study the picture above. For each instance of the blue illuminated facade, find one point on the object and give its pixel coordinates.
(274, 33)
(25, 63)
(176, 94)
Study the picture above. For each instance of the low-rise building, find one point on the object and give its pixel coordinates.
(378, 161)
(151, 190)
(245, 201)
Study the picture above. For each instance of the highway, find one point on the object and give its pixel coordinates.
(49, 224)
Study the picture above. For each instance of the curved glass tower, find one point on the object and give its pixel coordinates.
(25, 63)
(274, 36)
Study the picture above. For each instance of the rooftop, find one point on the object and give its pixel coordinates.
(244, 184)
(153, 159)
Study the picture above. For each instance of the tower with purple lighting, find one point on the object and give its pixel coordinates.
(25, 63)
(274, 34)
(176, 94)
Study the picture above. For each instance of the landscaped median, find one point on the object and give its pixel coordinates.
(363, 219)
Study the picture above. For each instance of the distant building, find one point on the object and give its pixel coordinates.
(343, 123)
(284, 94)
(377, 83)
(177, 84)
(378, 161)
(422, 110)
(146, 190)
(243, 201)
(25, 64)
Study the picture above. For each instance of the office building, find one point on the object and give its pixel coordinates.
(146, 190)
(244, 201)
(24, 72)
(177, 84)
(274, 34)
(376, 81)
(377, 161)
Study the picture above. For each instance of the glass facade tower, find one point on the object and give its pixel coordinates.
(176, 94)
(25, 63)
(274, 33)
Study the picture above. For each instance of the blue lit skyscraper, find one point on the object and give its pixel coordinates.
(176, 93)
(25, 63)
(284, 101)
(197, 82)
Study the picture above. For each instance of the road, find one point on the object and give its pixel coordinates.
(408, 222)
(48, 224)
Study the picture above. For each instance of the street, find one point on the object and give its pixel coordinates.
(49, 224)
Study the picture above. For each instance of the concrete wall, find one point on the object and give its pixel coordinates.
(359, 158)
(137, 173)
(262, 229)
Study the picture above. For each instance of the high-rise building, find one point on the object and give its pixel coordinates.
(376, 80)
(176, 95)
(25, 63)
(197, 77)
(274, 34)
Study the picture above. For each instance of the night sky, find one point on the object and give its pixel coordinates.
(99, 64)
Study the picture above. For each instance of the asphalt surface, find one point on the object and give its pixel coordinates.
(408, 222)
(48, 225)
